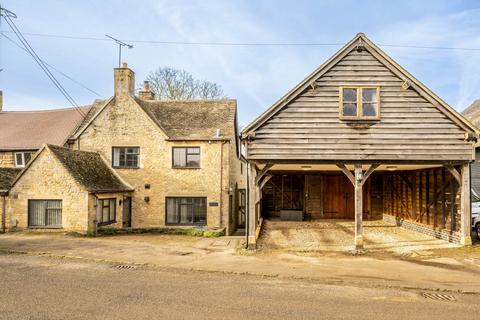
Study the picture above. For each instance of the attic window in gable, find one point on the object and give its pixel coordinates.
(359, 103)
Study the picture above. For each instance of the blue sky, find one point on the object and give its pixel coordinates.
(255, 76)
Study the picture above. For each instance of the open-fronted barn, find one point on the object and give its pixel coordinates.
(361, 138)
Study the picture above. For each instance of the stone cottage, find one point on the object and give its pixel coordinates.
(180, 159)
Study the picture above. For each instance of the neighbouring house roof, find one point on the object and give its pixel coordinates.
(193, 119)
(181, 119)
(89, 169)
(472, 113)
(95, 108)
(7, 176)
(360, 40)
(30, 130)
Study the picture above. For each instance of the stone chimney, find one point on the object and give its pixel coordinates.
(146, 93)
(1, 100)
(124, 81)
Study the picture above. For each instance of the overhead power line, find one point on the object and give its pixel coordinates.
(265, 44)
(8, 15)
(52, 67)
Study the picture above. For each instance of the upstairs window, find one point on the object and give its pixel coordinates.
(359, 103)
(186, 157)
(22, 158)
(125, 157)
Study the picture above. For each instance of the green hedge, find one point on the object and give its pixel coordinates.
(189, 232)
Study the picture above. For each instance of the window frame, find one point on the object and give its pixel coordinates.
(178, 223)
(359, 116)
(23, 158)
(186, 157)
(100, 207)
(125, 166)
(56, 226)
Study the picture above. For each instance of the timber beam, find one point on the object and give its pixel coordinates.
(262, 173)
(457, 175)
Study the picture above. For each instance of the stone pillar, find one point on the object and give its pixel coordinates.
(358, 207)
(124, 81)
(465, 207)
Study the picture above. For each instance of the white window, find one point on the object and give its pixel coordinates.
(186, 157)
(125, 157)
(22, 158)
(359, 103)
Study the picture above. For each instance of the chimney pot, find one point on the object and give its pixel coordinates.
(124, 65)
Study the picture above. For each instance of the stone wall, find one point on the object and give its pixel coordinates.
(6, 159)
(124, 123)
(444, 234)
(47, 179)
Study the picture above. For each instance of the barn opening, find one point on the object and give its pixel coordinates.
(424, 198)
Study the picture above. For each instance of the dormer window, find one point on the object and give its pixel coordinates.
(359, 103)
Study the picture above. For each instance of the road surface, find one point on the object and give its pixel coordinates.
(35, 287)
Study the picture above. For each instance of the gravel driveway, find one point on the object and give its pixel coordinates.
(337, 235)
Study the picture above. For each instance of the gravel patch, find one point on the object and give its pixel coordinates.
(337, 235)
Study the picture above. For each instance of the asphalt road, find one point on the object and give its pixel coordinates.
(35, 287)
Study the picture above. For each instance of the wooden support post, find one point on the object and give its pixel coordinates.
(358, 207)
(252, 207)
(358, 179)
(427, 196)
(466, 214)
(444, 208)
(435, 199)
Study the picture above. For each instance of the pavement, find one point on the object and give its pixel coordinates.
(446, 269)
(39, 287)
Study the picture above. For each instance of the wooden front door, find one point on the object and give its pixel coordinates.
(127, 212)
(338, 198)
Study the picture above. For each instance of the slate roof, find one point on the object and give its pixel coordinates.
(193, 119)
(89, 169)
(472, 113)
(7, 176)
(30, 130)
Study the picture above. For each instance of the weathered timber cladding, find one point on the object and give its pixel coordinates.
(309, 128)
(429, 197)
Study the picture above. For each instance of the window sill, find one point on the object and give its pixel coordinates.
(125, 167)
(106, 223)
(186, 168)
(45, 227)
(186, 224)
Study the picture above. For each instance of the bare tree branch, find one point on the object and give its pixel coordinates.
(173, 84)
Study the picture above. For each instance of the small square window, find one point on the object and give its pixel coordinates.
(22, 158)
(125, 157)
(186, 157)
(359, 103)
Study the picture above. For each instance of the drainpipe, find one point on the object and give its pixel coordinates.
(220, 203)
(4, 210)
(247, 203)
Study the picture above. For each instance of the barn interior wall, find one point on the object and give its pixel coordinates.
(427, 196)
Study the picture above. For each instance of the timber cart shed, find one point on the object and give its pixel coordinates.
(361, 138)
